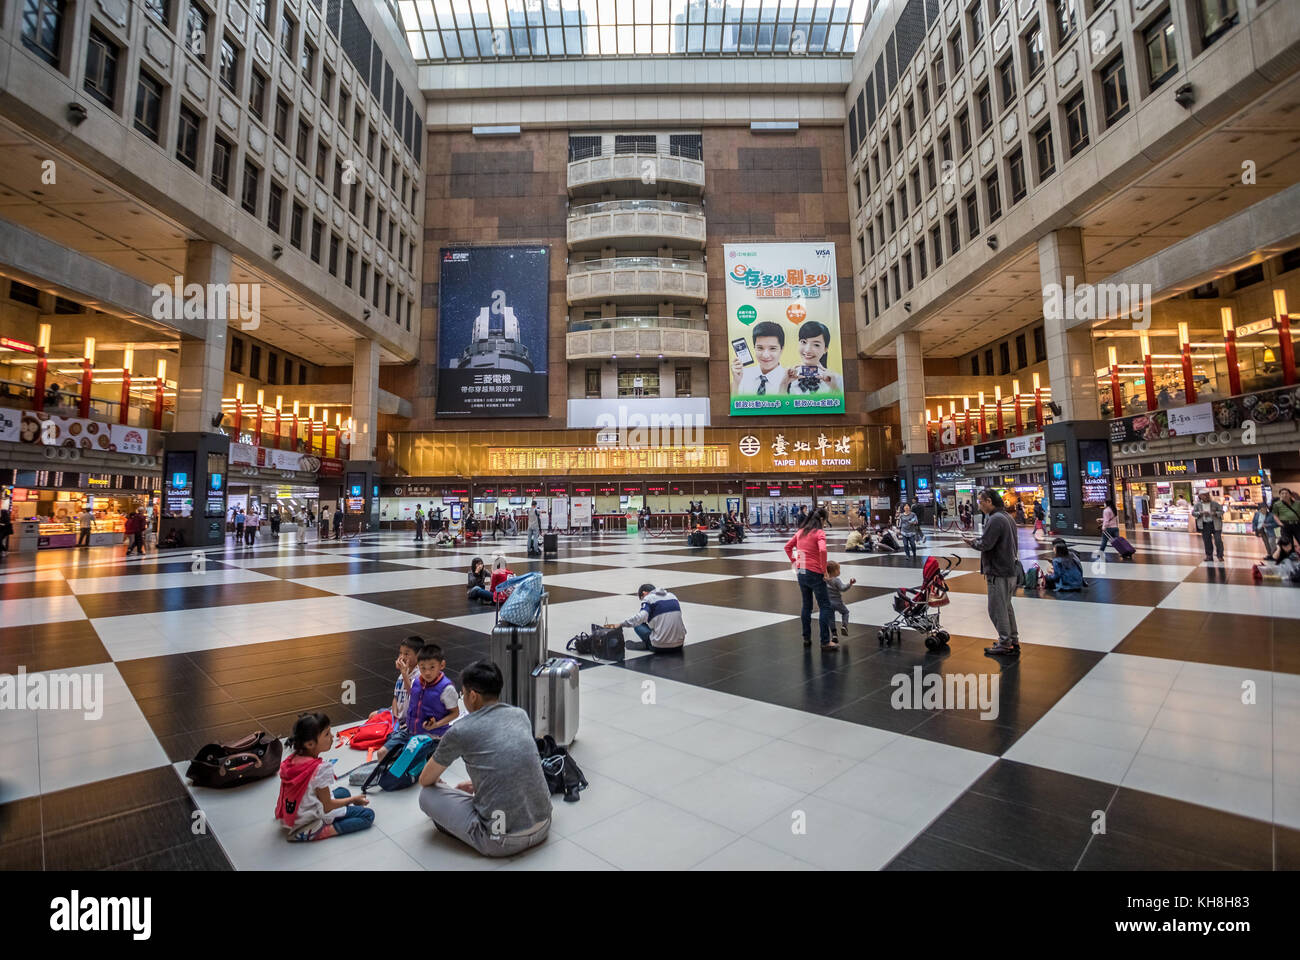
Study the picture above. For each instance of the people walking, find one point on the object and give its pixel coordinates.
(275, 521)
(87, 521)
(999, 555)
(807, 551)
(338, 523)
(1286, 508)
(419, 523)
(1040, 520)
(534, 529)
(324, 523)
(240, 520)
(1264, 525)
(251, 524)
(1209, 521)
(1109, 527)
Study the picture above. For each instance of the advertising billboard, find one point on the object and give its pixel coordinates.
(492, 331)
(783, 322)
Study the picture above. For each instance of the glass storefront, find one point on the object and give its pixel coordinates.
(1161, 493)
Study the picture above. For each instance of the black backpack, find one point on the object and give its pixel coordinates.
(253, 757)
(563, 775)
(603, 643)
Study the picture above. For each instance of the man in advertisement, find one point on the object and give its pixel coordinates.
(783, 323)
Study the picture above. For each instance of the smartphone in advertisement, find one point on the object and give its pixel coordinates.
(742, 351)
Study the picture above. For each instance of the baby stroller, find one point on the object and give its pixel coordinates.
(918, 607)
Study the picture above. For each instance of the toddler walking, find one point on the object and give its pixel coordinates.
(835, 588)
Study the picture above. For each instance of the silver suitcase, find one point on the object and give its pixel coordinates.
(555, 699)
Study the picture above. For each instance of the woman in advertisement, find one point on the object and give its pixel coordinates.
(812, 374)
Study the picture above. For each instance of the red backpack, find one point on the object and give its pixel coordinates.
(373, 733)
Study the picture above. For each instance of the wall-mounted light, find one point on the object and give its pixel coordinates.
(1183, 338)
(162, 372)
(1279, 302)
(1035, 381)
(276, 251)
(43, 336)
(1185, 95)
(1225, 316)
(992, 242)
(89, 353)
(76, 114)
(261, 398)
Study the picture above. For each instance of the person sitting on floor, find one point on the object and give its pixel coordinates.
(658, 623)
(504, 808)
(1066, 573)
(310, 807)
(477, 583)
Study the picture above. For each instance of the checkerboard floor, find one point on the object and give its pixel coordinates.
(1162, 703)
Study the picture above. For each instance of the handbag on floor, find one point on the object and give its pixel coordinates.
(563, 775)
(603, 643)
(251, 758)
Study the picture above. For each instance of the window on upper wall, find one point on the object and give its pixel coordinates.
(1034, 55)
(275, 207)
(307, 62)
(236, 355)
(682, 381)
(1161, 50)
(1022, 353)
(196, 31)
(272, 367)
(1040, 345)
(303, 143)
(1044, 151)
(288, 371)
(1007, 81)
(1066, 21)
(907, 271)
(287, 28)
(255, 362)
(43, 29)
(326, 87)
(931, 180)
(317, 232)
(102, 55)
(945, 147)
(975, 366)
(187, 137)
(1114, 90)
(940, 78)
(593, 382)
(920, 258)
(148, 106)
(333, 265)
(228, 67)
(976, 21)
(322, 161)
(1016, 174)
(988, 362)
(349, 266)
(963, 132)
(993, 196)
(958, 54)
(257, 94)
(1216, 18)
(984, 100)
(1248, 276)
(972, 215)
(936, 244)
(302, 375)
(222, 155)
(923, 96)
(954, 233)
(1004, 359)
(160, 10)
(262, 12)
(296, 216)
(250, 189)
(282, 108)
(1076, 124)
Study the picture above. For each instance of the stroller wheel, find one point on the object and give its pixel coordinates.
(932, 643)
(941, 638)
(882, 637)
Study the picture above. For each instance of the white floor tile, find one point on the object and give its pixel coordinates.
(654, 835)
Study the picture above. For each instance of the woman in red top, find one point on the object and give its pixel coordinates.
(807, 551)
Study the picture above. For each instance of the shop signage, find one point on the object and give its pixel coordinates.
(1187, 421)
(1188, 468)
(988, 452)
(948, 458)
(30, 426)
(331, 467)
(1058, 483)
(1029, 446)
(1259, 326)
(1263, 408)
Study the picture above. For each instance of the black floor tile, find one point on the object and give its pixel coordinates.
(1212, 834)
(203, 853)
(121, 604)
(50, 646)
(931, 853)
(1022, 834)
(117, 839)
(1121, 851)
(77, 806)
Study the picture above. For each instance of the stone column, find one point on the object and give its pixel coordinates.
(911, 392)
(203, 362)
(365, 398)
(1070, 364)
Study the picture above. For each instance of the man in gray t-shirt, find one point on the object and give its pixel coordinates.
(505, 807)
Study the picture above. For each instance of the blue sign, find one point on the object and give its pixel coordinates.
(214, 482)
(356, 490)
(180, 480)
(1094, 468)
(1058, 471)
(923, 483)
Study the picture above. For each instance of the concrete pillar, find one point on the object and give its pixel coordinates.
(1069, 351)
(203, 362)
(365, 398)
(911, 392)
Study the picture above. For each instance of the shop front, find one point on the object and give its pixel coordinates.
(1158, 495)
(46, 505)
(763, 474)
(294, 485)
(1015, 467)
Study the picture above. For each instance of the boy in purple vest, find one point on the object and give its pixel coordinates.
(434, 702)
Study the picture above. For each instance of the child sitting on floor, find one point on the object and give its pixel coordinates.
(835, 588)
(307, 806)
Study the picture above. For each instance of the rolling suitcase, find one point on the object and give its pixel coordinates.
(550, 546)
(516, 650)
(555, 700)
(1122, 547)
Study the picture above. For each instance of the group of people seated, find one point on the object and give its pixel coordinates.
(882, 539)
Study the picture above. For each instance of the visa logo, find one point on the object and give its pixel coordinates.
(823, 253)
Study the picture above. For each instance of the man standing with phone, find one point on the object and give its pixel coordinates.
(767, 376)
(999, 554)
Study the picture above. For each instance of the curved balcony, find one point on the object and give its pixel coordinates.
(636, 174)
(629, 336)
(636, 225)
(637, 280)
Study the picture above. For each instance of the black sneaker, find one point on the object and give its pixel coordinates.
(1001, 649)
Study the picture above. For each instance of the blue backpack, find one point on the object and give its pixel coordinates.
(401, 768)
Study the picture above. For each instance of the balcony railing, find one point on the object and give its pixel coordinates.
(66, 403)
(631, 206)
(637, 323)
(611, 150)
(635, 263)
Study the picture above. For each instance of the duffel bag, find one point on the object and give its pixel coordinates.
(254, 757)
